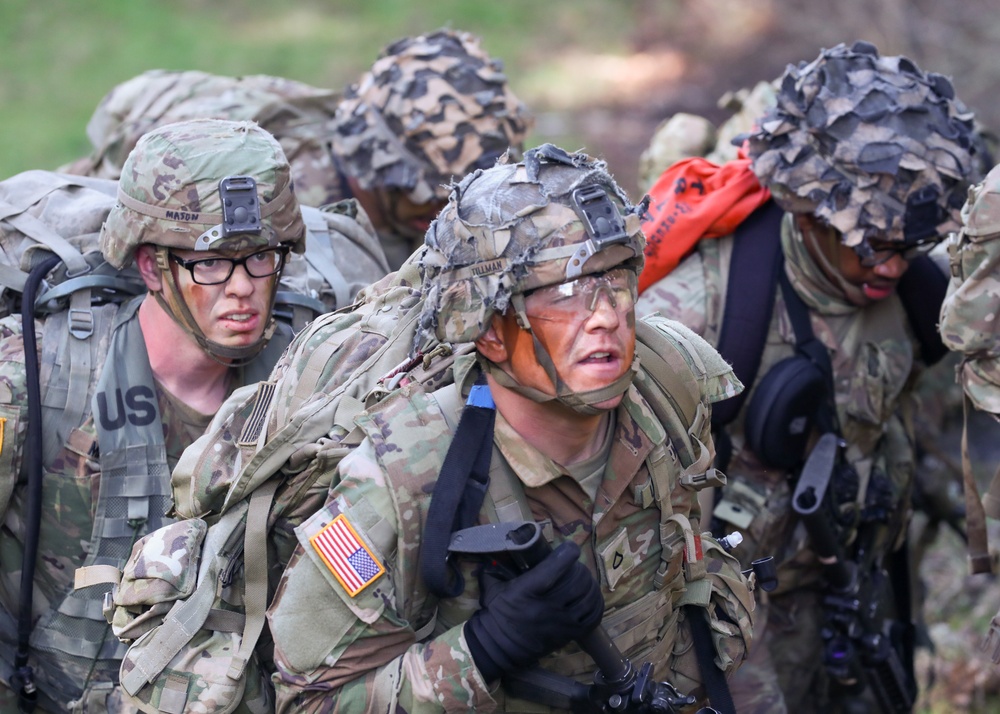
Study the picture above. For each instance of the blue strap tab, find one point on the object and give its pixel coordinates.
(479, 396)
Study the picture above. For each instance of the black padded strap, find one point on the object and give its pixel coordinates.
(807, 344)
(459, 491)
(753, 275)
(713, 678)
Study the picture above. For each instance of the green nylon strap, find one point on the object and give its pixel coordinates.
(319, 254)
(255, 574)
(980, 560)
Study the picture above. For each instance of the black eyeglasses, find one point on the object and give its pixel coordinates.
(883, 254)
(213, 271)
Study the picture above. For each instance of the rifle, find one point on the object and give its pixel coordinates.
(618, 686)
(861, 641)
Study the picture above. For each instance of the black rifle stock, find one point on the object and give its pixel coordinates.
(617, 687)
(859, 648)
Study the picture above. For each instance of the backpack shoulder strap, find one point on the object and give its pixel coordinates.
(680, 375)
(753, 277)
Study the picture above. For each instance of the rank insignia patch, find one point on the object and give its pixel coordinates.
(346, 556)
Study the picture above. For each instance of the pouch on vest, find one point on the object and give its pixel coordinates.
(190, 626)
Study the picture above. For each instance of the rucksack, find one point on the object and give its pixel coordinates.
(42, 212)
(297, 114)
(202, 585)
(969, 327)
(45, 212)
(50, 226)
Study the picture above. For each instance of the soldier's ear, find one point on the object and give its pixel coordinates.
(491, 343)
(145, 262)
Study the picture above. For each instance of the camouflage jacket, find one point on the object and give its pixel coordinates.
(73, 487)
(392, 646)
(873, 357)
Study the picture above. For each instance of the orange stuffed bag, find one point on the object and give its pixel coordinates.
(695, 199)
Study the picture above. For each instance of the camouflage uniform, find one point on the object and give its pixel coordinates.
(432, 109)
(393, 645)
(107, 456)
(872, 350)
(968, 328)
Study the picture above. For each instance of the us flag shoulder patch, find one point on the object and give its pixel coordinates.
(347, 557)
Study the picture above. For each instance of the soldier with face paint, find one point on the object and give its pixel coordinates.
(535, 264)
(206, 212)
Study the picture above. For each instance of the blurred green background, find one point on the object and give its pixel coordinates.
(59, 57)
(598, 74)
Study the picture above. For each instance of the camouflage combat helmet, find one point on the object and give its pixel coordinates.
(432, 108)
(170, 195)
(516, 227)
(870, 145)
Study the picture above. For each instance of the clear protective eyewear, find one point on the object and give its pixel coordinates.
(217, 270)
(577, 299)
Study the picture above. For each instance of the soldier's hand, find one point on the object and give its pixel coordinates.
(533, 614)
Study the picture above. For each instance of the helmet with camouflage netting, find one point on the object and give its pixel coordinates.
(203, 185)
(870, 145)
(506, 231)
(432, 108)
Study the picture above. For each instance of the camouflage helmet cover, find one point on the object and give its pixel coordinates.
(168, 193)
(432, 108)
(871, 145)
(517, 227)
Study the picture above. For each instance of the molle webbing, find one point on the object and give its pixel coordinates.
(319, 252)
(134, 496)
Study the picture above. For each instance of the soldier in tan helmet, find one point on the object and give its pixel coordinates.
(207, 214)
(860, 167)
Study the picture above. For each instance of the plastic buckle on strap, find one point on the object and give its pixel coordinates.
(81, 323)
(712, 477)
(108, 606)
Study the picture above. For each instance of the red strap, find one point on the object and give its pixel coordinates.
(695, 199)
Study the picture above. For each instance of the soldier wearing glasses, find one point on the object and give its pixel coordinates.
(206, 212)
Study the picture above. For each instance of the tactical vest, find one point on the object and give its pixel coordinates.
(72, 641)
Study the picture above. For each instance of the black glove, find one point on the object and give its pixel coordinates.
(533, 614)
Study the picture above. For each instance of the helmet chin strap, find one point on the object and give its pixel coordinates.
(580, 402)
(173, 304)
